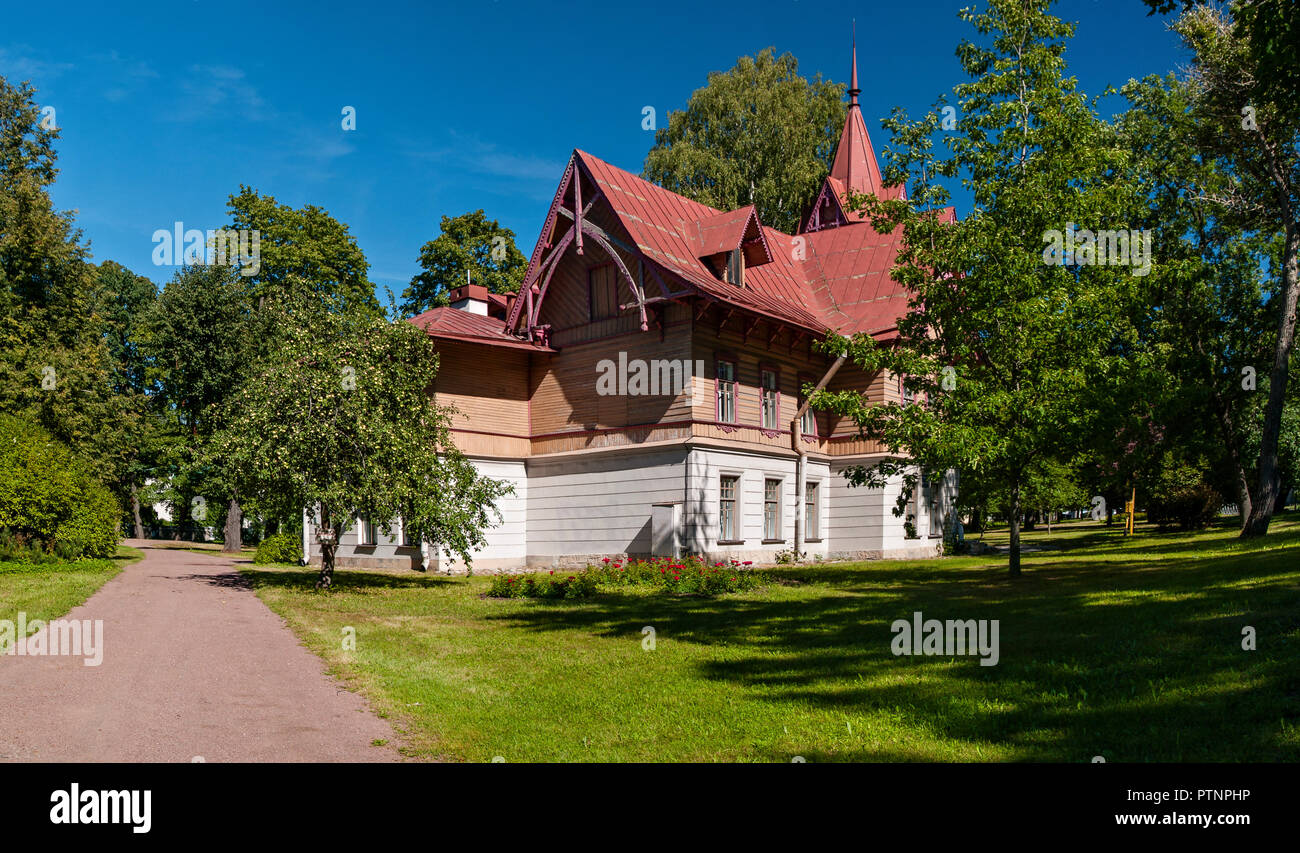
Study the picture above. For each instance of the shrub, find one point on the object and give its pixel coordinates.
(50, 500)
(280, 548)
(1181, 498)
(686, 576)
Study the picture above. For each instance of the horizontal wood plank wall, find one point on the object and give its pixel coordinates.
(753, 354)
(565, 390)
(488, 386)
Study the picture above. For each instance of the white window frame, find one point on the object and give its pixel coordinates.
(732, 535)
(812, 516)
(772, 510)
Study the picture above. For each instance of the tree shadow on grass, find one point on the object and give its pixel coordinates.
(304, 580)
(1135, 660)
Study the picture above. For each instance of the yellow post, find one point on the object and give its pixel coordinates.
(1130, 508)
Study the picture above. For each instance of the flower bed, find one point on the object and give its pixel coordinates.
(687, 575)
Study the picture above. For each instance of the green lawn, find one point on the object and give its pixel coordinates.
(50, 590)
(1127, 649)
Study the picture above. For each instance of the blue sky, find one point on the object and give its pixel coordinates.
(166, 108)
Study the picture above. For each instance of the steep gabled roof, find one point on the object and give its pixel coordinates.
(726, 232)
(656, 220)
(835, 276)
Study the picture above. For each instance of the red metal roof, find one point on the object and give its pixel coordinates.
(834, 278)
(837, 278)
(457, 325)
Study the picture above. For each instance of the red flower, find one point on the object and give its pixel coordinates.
(606, 560)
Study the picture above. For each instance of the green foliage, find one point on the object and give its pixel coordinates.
(280, 548)
(306, 254)
(50, 498)
(199, 335)
(55, 366)
(470, 244)
(339, 419)
(1181, 498)
(686, 576)
(1013, 360)
(757, 134)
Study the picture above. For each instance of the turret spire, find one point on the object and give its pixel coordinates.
(854, 91)
(855, 164)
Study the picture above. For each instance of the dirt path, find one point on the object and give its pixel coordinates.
(193, 665)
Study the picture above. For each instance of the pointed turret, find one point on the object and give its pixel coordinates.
(854, 169)
(855, 161)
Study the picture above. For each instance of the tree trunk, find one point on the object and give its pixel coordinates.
(1047, 516)
(1283, 489)
(1261, 512)
(327, 549)
(1015, 529)
(135, 512)
(1243, 499)
(234, 531)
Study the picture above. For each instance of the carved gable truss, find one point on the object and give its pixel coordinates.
(567, 225)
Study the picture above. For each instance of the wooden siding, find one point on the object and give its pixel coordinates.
(487, 385)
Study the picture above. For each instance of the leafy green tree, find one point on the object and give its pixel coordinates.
(123, 299)
(1258, 144)
(1271, 29)
(55, 366)
(201, 336)
(1012, 357)
(339, 419)
(470, 248)
(305, 253)
(757, 134)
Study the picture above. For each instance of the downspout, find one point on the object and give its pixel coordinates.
(801, 455)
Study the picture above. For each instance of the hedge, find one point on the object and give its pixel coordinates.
(50, 500)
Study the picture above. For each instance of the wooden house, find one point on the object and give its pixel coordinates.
(643, 391)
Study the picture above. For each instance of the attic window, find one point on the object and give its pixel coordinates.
(735, 271)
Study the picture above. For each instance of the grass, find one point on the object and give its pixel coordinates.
(50, 590)
(1131, 650)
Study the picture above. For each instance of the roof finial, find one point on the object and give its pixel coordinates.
(854, 91)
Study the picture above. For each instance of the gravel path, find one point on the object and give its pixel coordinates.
(194, 665)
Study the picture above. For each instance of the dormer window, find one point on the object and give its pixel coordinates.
(735, 272)
(727, 243)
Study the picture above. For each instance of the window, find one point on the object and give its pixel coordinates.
(407, 540)
(771, 398)
(807, 423)
(602, 292)
(726, 374)
(735, 273)
(366, 533)
(728, 523)
(771, 510)
(904, 392)
(933, 489)
(811, 522)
